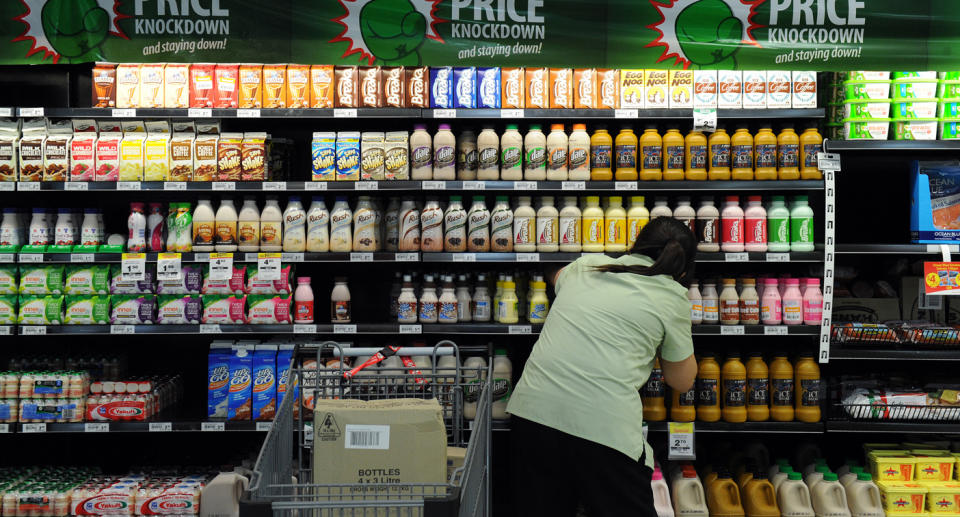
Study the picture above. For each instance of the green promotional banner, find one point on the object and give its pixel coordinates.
(711, 34)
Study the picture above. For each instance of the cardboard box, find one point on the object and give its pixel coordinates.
(371, 92)
(381, 441)
(608, 88)
(778, 89)
(730, 89)
(755, 89)
(321, 86)
(934, 207)
(176, 86)
(298, 86)
(804, 89)
(656, 89)
(538, 91)
(251, 86)
(456, 456)
(561, 88)
(346, 80)
(512, 82)
(705, 89)
(681, 89)
(394, 80)
(915, 305)
(866, 310)
(631, 88)
(274, 86)
(585, 88)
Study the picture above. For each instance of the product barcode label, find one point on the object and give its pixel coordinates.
(268, 266)
(124, 113)
(366, 185)
(778, 257)
(160, 427)
(464, 257)
(6, 330)
(626, 113)
(264, 426)
(291, 257)
(76, 185)
(248, 113)
(30, 258)
(775, 330)
(407, 257)
(28, 185)
(361, 257)
(174, 185)
(367, 437)
(520, 329)
(304, 328)
(528, 257)
(221, 266)
(210, 328)
(223, 185)
(573, 185)
(445, 113)
(7, 258)
(215, 427)
(199, 112)
(411, 329)
(345, 113)
(344, 329)
(33, 330)
(122, 329)
(7, 186)
(511, 113)
(736, 257)
(31, 112)
(81, 258)
(4, 428)
(625, 185)
(96, 427)
(250, 257)
(128, 185)
(525, 185)
(34, 428)
(274, 185)
(731, 330)
(434, 185)
(315, 185)
(474, 185)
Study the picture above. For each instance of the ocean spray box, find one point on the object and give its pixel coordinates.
(464, 89)
(488, 87)
(935, 207)
(441, 87)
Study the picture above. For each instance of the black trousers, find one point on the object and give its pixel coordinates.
(553, 472)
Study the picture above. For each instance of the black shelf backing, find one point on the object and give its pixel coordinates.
(838, 146)
(747, 427)
(879, 352)
(894, 249)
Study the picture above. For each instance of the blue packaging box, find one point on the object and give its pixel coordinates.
(488, 87)
(464, 89)
(441, 87)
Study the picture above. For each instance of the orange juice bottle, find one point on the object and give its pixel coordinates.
(719, 154)
(601, 154)
(652, 395)
(682, 407)
(765, 154)
(781, 389)
(696, 149)
(741, 154)
(788, 154)
(807, 385)
(651, 154)
(758, 389)
(811, 143)
(708, 386)
(734, 375)
(673, 154)
(625, 150)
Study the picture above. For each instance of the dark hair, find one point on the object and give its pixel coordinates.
(671, 245)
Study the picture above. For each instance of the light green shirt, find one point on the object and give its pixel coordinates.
(597, 349)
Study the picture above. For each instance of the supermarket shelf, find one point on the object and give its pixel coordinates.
(115, 258)
(836, 146)
(893, 249)
(141, 427)
(867, 426)
(231, 113)
(815, 256)
(747, 427)
(891, 353)
(577, 114)
(219, 186)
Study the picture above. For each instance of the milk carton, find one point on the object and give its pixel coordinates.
(441, 87)
(755, 89)
(561, 88)
(324, 156)
(284, 358)
(240, 397)
(488, 87)
(730, 89)
(656, 89)
(56, 150)
(156, 151)
(31, 149)
(804, 89)
(82, 156)
(538, 90)
(9, 142)
(396, 155)
(705, 89)
(631, 88)
(348, 156)
(264, 382)
(131, 151)
(585, 88)
(394, 83)
(681, 89)
(218, 379)
(371, 86)
(512, 90)
(464, 90)
(778, 89)
(107, 150)
(371, 156)
(608, 86)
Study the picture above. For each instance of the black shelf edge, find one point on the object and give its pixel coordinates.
(233, 113)
(838, 146)
(891, 353)
(155, 426)
(814, 256)
(747, 427)
(223, 186)
(894, 249)
(203, 257)
(868, 426)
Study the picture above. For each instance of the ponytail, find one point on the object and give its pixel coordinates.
(671, 245)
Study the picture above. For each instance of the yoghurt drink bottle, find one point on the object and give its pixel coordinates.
(578, 155)
(755, 225)
(154, 229)
(407, 303)
(731, 220)
(812, 302)
(569, 226)
(488, 152)
(547, 226)
(792, 303)
(557, 148)
(708, 226)
(770, 305)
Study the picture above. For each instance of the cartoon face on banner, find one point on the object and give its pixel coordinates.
(704, 33)
(388, 32)
(72, 30)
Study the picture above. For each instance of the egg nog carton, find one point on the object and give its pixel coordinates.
(681, 89)
(656, 89)
(755, 89)
(804, 89)
(730, 89)
(631, 88)
(705, 89)
(779, 89)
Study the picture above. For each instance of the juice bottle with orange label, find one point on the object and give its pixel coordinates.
(673, 154)
(765, 154)
(652, 394)
(696, 148)
(788, 154)
(811, 143)
(708, 389)
(601, 155)
(719, 155)
(625, 149)
(683, 408)
(807, 387)
(758, 389)
(781, 389)
(741, 154)
(651, 154)
(734, 377)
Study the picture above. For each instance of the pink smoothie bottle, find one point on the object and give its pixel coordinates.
(792, 303)
(812, 302)
(303, 301)
(755, 225)
(770, 308)
(731, 220)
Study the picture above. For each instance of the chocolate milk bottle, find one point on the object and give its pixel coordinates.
(421, 154)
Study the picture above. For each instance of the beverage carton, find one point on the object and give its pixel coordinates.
(156, 151)
(229, 156)
(705, 89)
(205, 157)
(251, 86)
(681, 89)
(538, 91)
(31, 149)
(347, 81)
(56, 150)
(755, 89)
(585, 88)
(464, 87)
(253, 157)
(730, 89)
(396, 155)
(9, 141)
(488, 87)
(418, 87)
(441, 87)
(298, 86)
(227, 90)
(131, 151)
(284, 358)
(181, 156)
(321, 86)
(202, 79)
(240, 398)
(218, 379)
(104, 83)
(608, 84)
(324, 156)
(348, 156)
(371, 155)
(264, 382)
(631, 88)
(394, 82)
(128, 85)
(151, 85)
(371, 91)
(274, 86)
(82, 156)
(656, 89)
(107, 150)
(176, 86)
(512, 88)
(561, 88)
(804, 89)
(778, 89)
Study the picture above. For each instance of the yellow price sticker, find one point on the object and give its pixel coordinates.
(214, 256)
(268, 255)
(134, 256)
(933, 280)
(168, 256)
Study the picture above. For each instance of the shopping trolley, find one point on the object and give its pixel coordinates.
(281, 481)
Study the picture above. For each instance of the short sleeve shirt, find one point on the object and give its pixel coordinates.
(596, 351)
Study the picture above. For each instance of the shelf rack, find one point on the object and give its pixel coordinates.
(902, 146)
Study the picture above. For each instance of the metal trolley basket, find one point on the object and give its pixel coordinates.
(281, 480)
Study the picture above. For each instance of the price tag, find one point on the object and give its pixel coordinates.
(264, 426)
(96, 427)
(199, 112)
(34, 428)
(274, 185)
(573, 185)
(268, 266)
(6, 330)
(33, 330)
(168, 266)
(133, 266)
(30, 258)
(8, 186)
(221, 266)
(828, 161)
(291, 257)
(345, 113)
(361, 257)
(520, 329)
(31, 112)
(705, 119)
(122, 329)
(4, 428)
(626, 113)
(411, 329)
(778, 257)
(160, 427)
(202, 257)
(446, 113)
(248, 113)
(511, 113)
(81, 258)
(223, 185)
(407, 257)
(124, 113)
(315, 185)
(7, 258)
(174, 185)
(366, 185)
(28, 185)
(680, 441)
(434, 185)
(731, 330)
(775, 330)
(128, 185)
(474, 185)
(76, 186)
(525, 185)
(464, 257)
(215, 427)
(344, 329)
(528, 257)
(302, 328)
(6, 112)
(210, 328)
(250, 257)
(736, 257)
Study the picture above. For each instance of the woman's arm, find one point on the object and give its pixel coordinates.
(680, 375)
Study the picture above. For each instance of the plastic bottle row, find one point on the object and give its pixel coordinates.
(739, 392)
(749, 301)
(451, 302)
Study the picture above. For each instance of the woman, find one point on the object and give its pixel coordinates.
(577, 430)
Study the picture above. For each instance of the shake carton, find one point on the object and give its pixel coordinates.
(631, 88)
(754, 89)
(371, 92)
(348, 156)
(56, 150)
(31, 149)
(202, 81)
(681, 89)
(131, 151)
(324, 156)
(441, 87)
(218, 379)
(107, 150)
(264, 382)
(181, 156)
(205, 157)
(227, 93)
(705, 89)
(250, 77)
(393, 80)
(464, 89)
(347, 83)
(538, 91)
(156, 151)
(656, 89)
(372, 156)
(240, 397)
(488, 87)
(298, 86)
(128, 85)
(561, 88)
(176, 86)
(804, 89)
(274, 86)
(418, 86)
(229, 157)
(253, 157)
(151, 85)
(396, 156)
(585, 88)
(729, 89)
(104, 82)
(9, 141)
(512, 88)
(779, 91)
(82, 156)
(321, 86)
(608, 88)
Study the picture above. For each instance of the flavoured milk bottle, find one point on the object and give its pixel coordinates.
(801, 225)
(711, 304)
(793, 497)
(474, 373)
(689, 499)
(759, 497)
(569, 225)
(444, 154)
(708, 226)
(778, 225)
(294, 226)
(271, 226)
(593, 232)
(651, 154)
(683, 405)
(488, 150)
(829, 498)
(615, 222)
(204, 226)
(227, 227)
(364, 226)
(601, 155)
(341, 226)
(685, 213)
(409, 237)
(673, 154)
(455, 226)
(749, 303)
(637, 217)
(807, 388)
(579, 154)
(696, 303)
(511, 154)
(547, 226)
(781, 388)
(661, 494)
(557, 147)
(248, 226)
(431, 226)
(660, 208)
(696, 162)
(758, 393)
(478, 226)
(734, 375)
(723, 497)
(863, 497)
(524, 226)
(467, 155)
(625, 147)
(788, 154)
(811, 143)
(502, 384)
(421, 153)
(535, 154)
(719, 157)
(318, 226)
(501, 226)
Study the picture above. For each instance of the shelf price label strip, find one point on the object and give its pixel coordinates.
(680, 442)
(829, 163)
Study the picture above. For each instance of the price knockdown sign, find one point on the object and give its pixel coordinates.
(680, 441)
(221, 266)
(268, 266)
(133, 266)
